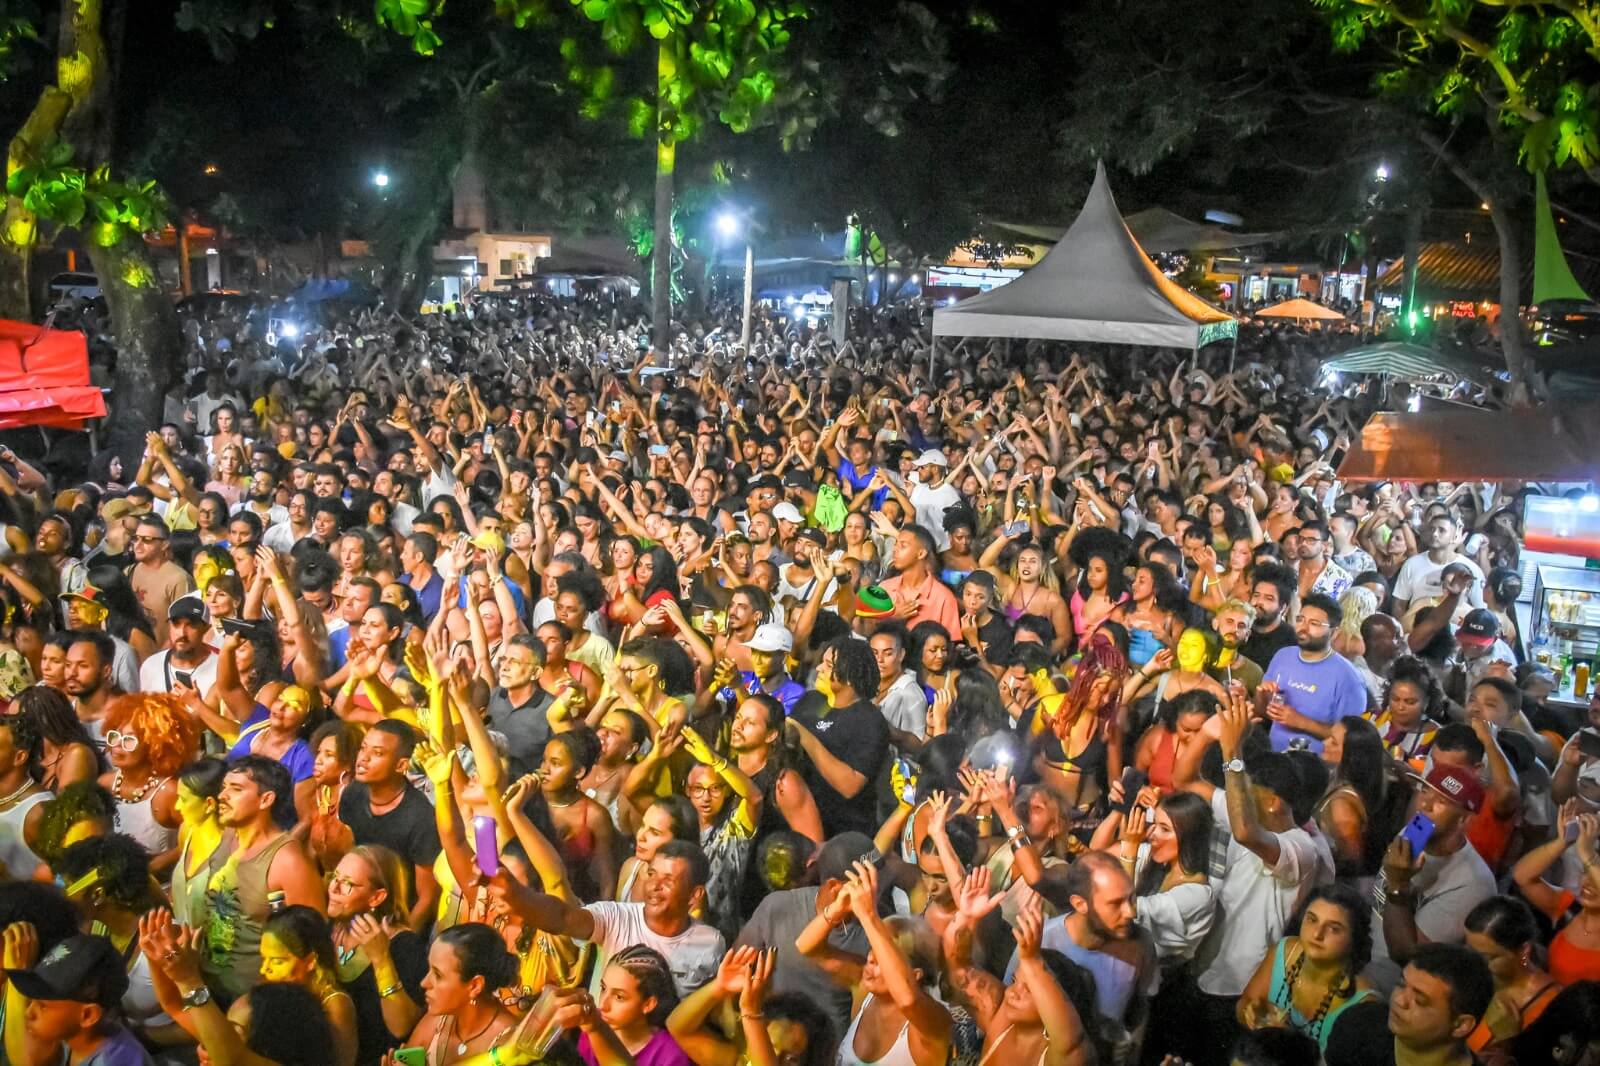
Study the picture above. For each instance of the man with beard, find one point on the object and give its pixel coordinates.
(256, 802)
(282, 536)
(188, 660)
(1308, 688)
(88, 679)
(262, 499)
(1317, 572)
(754, 740)
(1232, 622)
(156, 580)
(1272, 591)
(1099, 934)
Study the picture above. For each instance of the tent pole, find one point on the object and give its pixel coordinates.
(1234, 354)
(933, 355)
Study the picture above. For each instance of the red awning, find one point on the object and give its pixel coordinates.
(44, 378)
(1466, 444)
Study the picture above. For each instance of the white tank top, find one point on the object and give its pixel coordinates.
(138, 821)
(19, 859)
(899, 1053)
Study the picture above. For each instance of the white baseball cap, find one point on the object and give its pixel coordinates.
(787, 512)
(771, 637)
(932, 457)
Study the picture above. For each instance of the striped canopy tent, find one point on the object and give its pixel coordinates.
(1410, 362)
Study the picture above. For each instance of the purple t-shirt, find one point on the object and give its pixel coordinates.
(1324, 691)
(662, 1050)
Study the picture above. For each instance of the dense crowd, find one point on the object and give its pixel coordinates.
(489, 689)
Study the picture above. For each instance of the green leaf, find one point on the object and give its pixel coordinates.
(105, 234)
(19, 180)
(59, 154)
(641, 117)
(425, 42)
(597, 10)
(736, 12)
(714, 64)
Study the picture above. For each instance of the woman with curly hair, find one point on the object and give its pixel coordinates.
(1413, 707)
(66, 752)
(1313, 974)
(149, 738)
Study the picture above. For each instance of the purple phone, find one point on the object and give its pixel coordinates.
(487, 844)
(1417, 833)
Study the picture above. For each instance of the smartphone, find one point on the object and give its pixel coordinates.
(660, 449)
(1132, 781)
(411, 1056)
(486, 844)
(238, 625)
(488, 444)
(184, 678)
(1417, 833)
(1016, 529)
(1589, 743)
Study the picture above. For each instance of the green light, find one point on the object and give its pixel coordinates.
(1411, 321)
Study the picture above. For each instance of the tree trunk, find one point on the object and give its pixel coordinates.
(1516, 357)
(661, 246)
(149, 344)
(20, 232)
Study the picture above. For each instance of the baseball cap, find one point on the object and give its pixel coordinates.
(82, 969)
(1480, 628)
(771, 637)
(873, 602)
(813, 534)
(835, 858)
(188, 608)
(765, 481)
(788, 512)
(1458, 785)
(117, 509)
(932, 457)
(617, 456)
(90, 593)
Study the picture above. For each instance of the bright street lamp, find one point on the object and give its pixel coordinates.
(381, 179)
(728, 224)
(1382, 173)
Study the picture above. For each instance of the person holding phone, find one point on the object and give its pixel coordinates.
(1575, 949)
(1426, 894)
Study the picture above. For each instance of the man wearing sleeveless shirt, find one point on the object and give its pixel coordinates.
(257, 799)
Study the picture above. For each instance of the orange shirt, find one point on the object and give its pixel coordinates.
(938, 603)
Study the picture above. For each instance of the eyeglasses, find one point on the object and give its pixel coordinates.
(704, 790)
(1312, 623)
(340, 881)
(115, 738)
(143, 538)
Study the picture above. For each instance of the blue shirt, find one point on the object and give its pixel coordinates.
(858, 480)
(1324, 691)
(428, 597)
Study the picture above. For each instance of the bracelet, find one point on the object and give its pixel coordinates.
(391, 990)
(753, 1017)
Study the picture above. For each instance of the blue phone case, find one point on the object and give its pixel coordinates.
(1417, 833)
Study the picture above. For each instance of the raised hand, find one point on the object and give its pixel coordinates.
(863, 881)
(973, 900)
(756, 983)
(19, 946)
(734, 969)
(435, 763)
(1028, 928)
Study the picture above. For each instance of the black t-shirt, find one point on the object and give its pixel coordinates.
(373, 1039)
(856, 735)
(409, 830)
(1261, 647)
(526, 727)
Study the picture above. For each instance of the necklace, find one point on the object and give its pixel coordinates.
(1315, 1022)
(150, 784)
(461, 1048)
(552, 803)
(12, 797)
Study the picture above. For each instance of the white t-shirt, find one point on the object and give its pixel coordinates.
(1254, 903)
(275, 514)
(930, 503)
(693, 955)
(156, 676)
(1447, 888)
(904, 706)
(281, 537)
(1419, 580)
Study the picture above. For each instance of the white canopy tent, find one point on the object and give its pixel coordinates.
(1096, 284)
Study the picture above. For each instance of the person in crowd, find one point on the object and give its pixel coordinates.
(381, 806)
(1313, 974)
(1502, 930)
(1309, 687)
(149, 738)
(66, 752)
(1574, 951)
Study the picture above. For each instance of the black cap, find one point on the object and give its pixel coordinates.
(765, 481)
(836, 856)
(81, 969)
(191, 608)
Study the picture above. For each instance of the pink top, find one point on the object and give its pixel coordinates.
(1077, 605)
(938, 604)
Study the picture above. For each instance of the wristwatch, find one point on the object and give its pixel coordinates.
(196, 997)
(1234, 765)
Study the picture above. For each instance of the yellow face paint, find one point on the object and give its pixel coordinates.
(1192, 651)
(205, 572)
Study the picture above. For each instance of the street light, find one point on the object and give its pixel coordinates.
(381, 179)
(728, 224)
(1382, 173)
